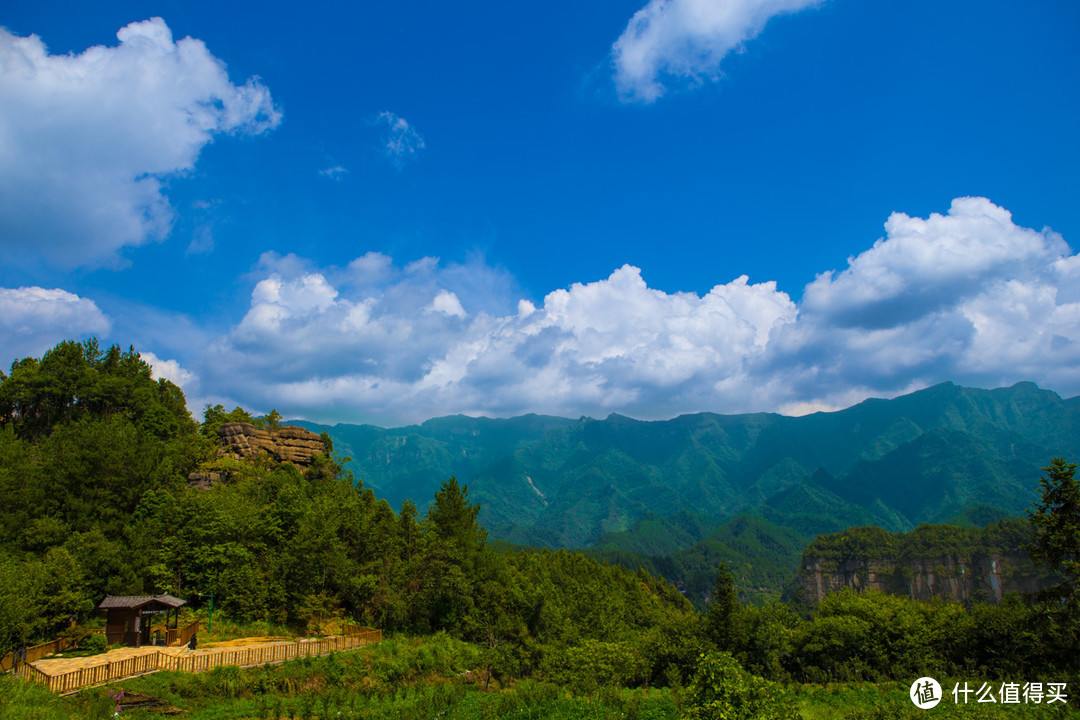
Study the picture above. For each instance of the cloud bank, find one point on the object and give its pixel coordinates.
(967, 296)
(685, 41)
(88, 138)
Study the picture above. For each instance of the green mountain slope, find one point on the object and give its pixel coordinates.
(922, 457)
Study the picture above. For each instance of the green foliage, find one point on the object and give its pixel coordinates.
(924, 457)
(74, 381)
(864, 543)
(20, 599)
(722, 615)
(722, 690)
(214, 417)
(1056, 528)
(595, 663)
(761, 556)
(95, 643)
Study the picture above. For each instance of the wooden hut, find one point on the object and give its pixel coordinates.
(129, 617)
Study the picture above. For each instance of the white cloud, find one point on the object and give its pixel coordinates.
(400, 141)
(968, 296)
(687, 40)
(447, 303)
(927, 264)
(88, 138)
(33, 319)
(170, 370)
(404, 348)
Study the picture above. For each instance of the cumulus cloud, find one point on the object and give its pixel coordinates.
(87, 139)
(686, 41)
(403, 344)
(170, 370)
(400, 140)
(967, 296)
(33, 319)
(447, 303)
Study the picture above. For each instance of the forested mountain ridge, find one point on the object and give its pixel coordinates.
(922, 457)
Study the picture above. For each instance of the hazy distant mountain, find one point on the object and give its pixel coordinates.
(923, 457)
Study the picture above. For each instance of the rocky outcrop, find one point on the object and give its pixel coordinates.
(288, 444)
(985, 578)
(243, 440)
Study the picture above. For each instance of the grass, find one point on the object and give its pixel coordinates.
(225, 629)
(880, 701)
(407, 678)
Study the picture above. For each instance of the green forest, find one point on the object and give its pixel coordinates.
(94, 499)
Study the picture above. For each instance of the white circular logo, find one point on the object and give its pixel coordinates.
(925, 693)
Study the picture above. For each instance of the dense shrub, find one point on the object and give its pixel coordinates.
(722, 690)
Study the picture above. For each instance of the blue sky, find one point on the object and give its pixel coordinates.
(392, 211)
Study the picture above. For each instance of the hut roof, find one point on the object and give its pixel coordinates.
(138, 601)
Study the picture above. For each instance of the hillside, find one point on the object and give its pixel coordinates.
(919, 458)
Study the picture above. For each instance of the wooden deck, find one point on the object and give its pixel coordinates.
(69, 675)
(59, 666)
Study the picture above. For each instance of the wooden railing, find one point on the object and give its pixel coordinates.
(36, 652)
(182, 636)
(76, 680)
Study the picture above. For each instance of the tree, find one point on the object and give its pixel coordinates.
(20, 600)
(273, 421)
(453, 519)
(721, 617)
(1056, 528)
(215, 416)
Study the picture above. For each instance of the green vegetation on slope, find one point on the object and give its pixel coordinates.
(924, 457)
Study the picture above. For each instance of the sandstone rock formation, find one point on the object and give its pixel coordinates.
(289, 444)
(244, 440)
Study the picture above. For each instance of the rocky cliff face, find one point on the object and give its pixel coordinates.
(289, 444)
(979, 577)
(244, 440)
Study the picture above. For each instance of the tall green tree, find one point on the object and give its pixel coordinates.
(1056, 524)
(722, 616)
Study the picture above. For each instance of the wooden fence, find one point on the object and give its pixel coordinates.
(36, 652)
(76, 680)
(183, 635)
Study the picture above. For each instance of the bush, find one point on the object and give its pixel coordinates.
(95, 642)
(722, 690)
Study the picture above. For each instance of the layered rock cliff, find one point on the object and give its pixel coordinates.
(241, 440)
(986, 578)
(932, 561)
(288, 444)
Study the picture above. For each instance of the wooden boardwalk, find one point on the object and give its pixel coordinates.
(69, 675)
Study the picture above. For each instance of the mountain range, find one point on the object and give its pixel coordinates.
(766, 483)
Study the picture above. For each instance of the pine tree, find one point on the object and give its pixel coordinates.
(723, 610)
(1056, 525)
